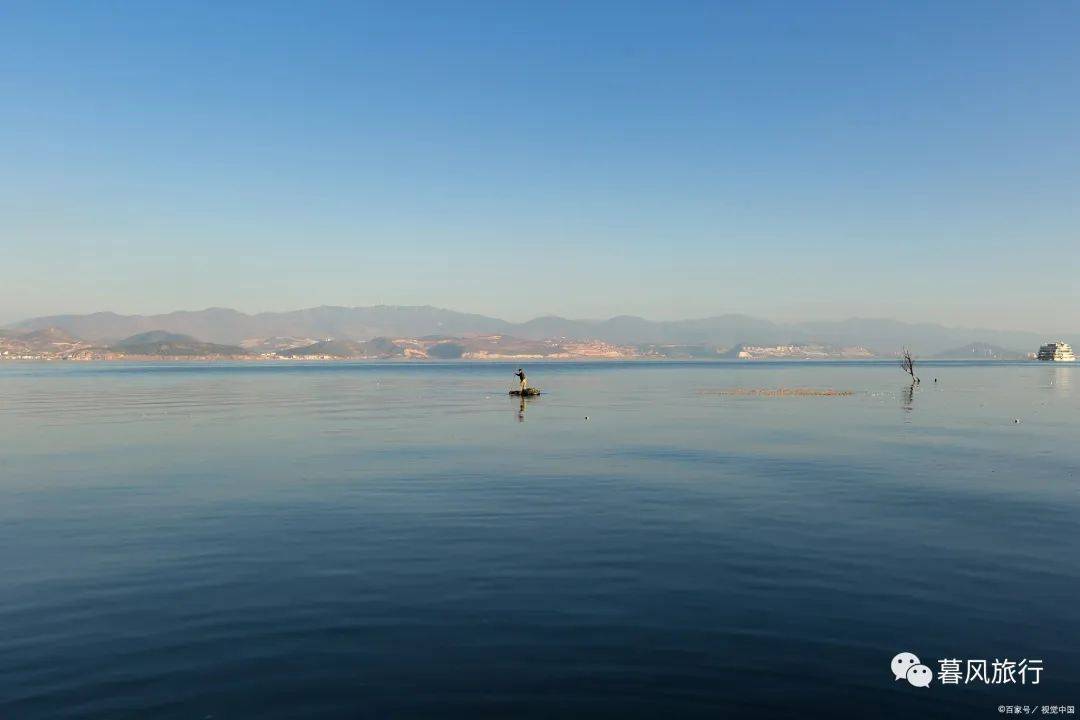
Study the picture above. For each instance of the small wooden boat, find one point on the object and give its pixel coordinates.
(527, 392)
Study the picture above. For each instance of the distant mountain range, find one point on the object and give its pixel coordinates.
(980, 351)
(56, 344)
(222, 326)
(230, 327)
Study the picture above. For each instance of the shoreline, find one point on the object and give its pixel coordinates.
(212, 360)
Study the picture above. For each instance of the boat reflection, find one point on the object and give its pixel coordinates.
(1060, 378)
(523, 402)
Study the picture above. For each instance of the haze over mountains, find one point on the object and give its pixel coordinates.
(359, 324)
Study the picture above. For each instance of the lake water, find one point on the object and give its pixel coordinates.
(404, 540)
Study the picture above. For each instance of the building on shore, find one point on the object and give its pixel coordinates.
(1056, 352)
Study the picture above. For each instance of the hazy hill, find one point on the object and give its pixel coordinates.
(48, 335)
(154, 336)
(219, 325)
(331, 348)
(375, 348)
(275, 344)
(45, 340)
(159, 342)
(683, 352)
(981, 351)
(721, 330)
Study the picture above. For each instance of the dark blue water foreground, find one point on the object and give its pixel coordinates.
(357, 540)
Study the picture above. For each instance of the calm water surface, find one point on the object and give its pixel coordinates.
(363, 540)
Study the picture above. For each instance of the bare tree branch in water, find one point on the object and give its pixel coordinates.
(908, 364)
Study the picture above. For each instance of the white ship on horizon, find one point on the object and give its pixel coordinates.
(1056, 352)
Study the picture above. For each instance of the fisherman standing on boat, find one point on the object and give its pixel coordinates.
(520, 374)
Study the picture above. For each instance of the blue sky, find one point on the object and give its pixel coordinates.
(790, 160)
